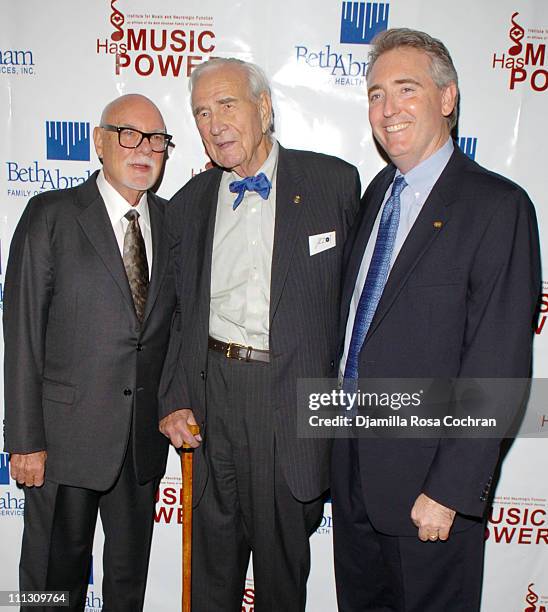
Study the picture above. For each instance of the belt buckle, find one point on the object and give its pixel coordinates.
(232, 345)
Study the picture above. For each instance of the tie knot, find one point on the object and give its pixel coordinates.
(398, 186)
(260, 183)
(132, 215)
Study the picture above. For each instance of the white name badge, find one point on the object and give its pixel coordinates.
(321, 242)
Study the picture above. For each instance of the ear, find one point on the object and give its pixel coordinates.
(98, 141)
(265, 109)
(448, 99)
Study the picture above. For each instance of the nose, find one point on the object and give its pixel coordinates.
(144, 146)
(216, 124)
(391, 105)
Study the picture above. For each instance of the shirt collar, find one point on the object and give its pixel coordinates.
(423, 177)
(117, 206)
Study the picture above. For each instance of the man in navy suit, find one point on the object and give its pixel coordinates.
(441, 281)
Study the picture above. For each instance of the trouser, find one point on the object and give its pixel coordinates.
(58, 540)
(376, 572)
(247, 505)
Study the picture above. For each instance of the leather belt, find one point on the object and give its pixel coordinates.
(231, 350)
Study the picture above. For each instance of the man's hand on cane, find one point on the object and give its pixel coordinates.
(175, 426)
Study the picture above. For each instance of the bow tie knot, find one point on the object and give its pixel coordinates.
(259, 183)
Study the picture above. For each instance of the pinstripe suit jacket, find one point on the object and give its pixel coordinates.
(304, 300)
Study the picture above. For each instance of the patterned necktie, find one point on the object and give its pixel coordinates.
(376, 276)
(259, 183)
(135, 263)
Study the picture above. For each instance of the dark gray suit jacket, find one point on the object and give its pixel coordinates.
(459, 302)
(304, 299)
(80, 371)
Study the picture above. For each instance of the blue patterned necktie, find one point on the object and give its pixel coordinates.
(376, 276)
(259, 183)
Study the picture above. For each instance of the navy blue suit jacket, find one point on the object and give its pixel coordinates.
(459, 302)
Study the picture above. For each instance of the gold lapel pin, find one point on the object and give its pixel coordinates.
(438, 224)
(297, 199)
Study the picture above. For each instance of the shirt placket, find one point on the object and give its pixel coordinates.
(253, 232)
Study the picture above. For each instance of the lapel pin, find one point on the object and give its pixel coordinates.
(438, 224)
(297, 199)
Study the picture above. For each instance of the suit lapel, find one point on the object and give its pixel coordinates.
(203, 216)
(160, 252)
(290, 201)
(96, 225)
(432, 219)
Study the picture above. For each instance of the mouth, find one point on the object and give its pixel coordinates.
(224, 145)
(141, 166)
(398, 127)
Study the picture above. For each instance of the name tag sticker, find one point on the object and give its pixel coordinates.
(321, 242)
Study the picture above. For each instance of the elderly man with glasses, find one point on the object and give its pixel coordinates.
(88, 302)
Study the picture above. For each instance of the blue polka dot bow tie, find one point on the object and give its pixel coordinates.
(259, 183)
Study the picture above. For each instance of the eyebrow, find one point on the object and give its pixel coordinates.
(408, 80)
(198, 109)
(227, 100)
(397, 82)
(130, 126)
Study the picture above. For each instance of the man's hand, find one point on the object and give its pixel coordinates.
(28, 469)
(432, 519)
(175, 427)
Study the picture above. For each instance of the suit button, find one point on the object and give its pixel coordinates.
(139, 347)
(202, 375)
(127, 391)
(332, 364)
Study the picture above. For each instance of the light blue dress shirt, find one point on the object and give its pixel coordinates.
(420, 181)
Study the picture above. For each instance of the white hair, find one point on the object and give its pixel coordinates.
(256, 78)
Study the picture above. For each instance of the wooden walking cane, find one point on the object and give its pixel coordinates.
(186, 470)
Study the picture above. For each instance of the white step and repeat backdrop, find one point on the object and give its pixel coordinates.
(61, 61)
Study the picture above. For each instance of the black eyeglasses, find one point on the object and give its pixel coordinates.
(130, 138)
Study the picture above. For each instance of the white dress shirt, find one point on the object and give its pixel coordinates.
(117, 207)
(242, 261)
(420, 181)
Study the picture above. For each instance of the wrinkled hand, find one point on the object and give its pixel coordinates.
(432, 519)
(175, 427)
(28, 469)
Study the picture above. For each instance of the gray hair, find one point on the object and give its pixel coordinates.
(256, 78)
(442, 69)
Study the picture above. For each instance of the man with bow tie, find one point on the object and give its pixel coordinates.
(258, 255)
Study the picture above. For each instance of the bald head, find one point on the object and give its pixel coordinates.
(130, 103)
(131, 171)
